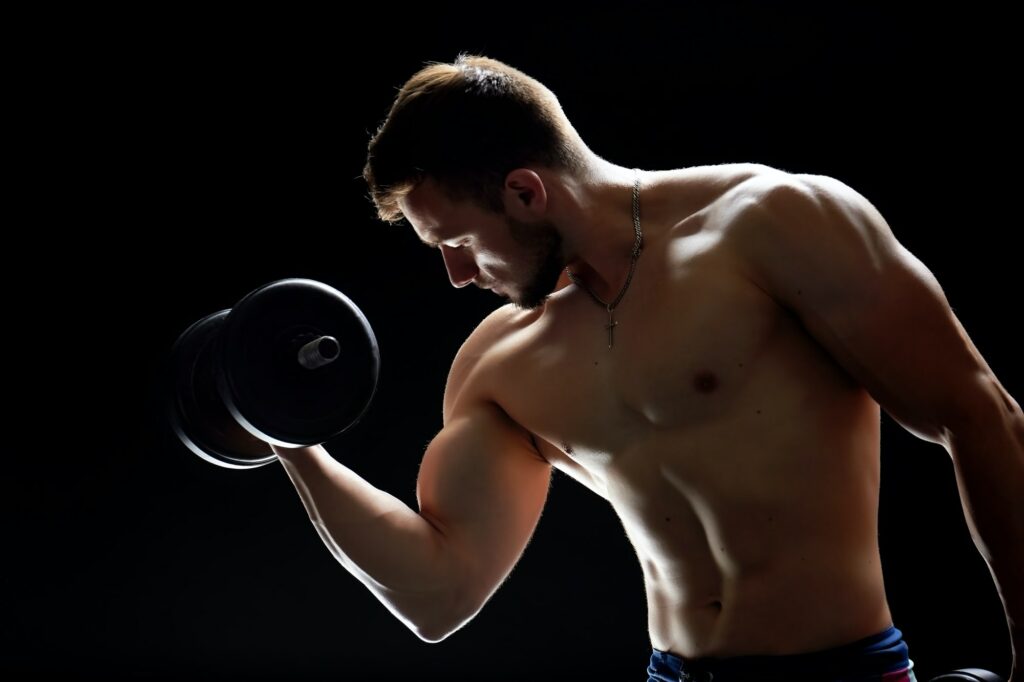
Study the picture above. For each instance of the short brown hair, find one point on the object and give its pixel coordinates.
(466, 125)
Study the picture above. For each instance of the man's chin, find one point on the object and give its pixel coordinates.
(534, 294)
(528, 303)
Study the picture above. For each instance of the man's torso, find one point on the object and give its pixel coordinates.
(741, 459)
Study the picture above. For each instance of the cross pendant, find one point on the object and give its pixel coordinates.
(612, 324)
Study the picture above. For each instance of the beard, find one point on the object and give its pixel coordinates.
(545, 261)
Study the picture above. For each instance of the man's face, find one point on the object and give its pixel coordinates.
(521, 261)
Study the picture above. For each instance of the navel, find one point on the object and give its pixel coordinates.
(705, 382)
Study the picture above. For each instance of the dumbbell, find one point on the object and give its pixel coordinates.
(968, 675)
(294, 363)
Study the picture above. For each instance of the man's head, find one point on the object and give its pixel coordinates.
(466, 125)
(458, 142)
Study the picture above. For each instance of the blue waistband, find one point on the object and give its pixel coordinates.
(878, 654)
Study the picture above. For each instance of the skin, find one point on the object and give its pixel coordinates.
(734, 426)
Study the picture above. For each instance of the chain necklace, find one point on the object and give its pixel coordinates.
(637, 246)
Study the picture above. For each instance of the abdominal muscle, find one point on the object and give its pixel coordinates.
(770, 551)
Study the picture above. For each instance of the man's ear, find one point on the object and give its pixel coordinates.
(524, 194)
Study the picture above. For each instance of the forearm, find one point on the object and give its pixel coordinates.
(400, 557)
(988, 457)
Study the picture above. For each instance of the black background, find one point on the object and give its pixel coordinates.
(177, 162)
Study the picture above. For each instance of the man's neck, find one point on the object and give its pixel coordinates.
(596, 221)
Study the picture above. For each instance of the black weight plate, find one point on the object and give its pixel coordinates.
(195, 409)
(261, 380)
(968, 675)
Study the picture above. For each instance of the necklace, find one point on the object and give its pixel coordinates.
(637, 247)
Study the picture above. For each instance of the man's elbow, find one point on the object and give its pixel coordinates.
(440, 630)
(432, 636)
(436, 633)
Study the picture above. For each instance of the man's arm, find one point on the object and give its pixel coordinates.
(824, 252)
(481, 489)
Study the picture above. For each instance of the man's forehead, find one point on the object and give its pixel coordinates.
(428, 208)
(422, 205)
(422, 212)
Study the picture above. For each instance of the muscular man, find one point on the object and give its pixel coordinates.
(705, 348)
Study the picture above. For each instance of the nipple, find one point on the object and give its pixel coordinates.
(705, 382)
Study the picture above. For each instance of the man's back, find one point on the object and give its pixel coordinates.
(741, 458)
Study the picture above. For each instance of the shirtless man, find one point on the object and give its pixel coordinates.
(705, 348)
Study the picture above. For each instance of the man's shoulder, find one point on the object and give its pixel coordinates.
(494, 336)
(743, 181)
(723, 176)
(740, 195)
(495, 327)
(698, 190)
(718, 206)
(754, 181)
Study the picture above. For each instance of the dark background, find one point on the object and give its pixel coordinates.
(187, 160)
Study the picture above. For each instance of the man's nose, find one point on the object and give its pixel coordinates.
(460, 264)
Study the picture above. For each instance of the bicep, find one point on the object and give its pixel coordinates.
(483, 487)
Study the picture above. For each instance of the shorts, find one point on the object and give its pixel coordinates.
(878, 658)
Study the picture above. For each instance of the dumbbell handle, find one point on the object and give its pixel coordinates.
(321, 351)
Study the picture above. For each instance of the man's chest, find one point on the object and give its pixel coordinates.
(691, 340)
